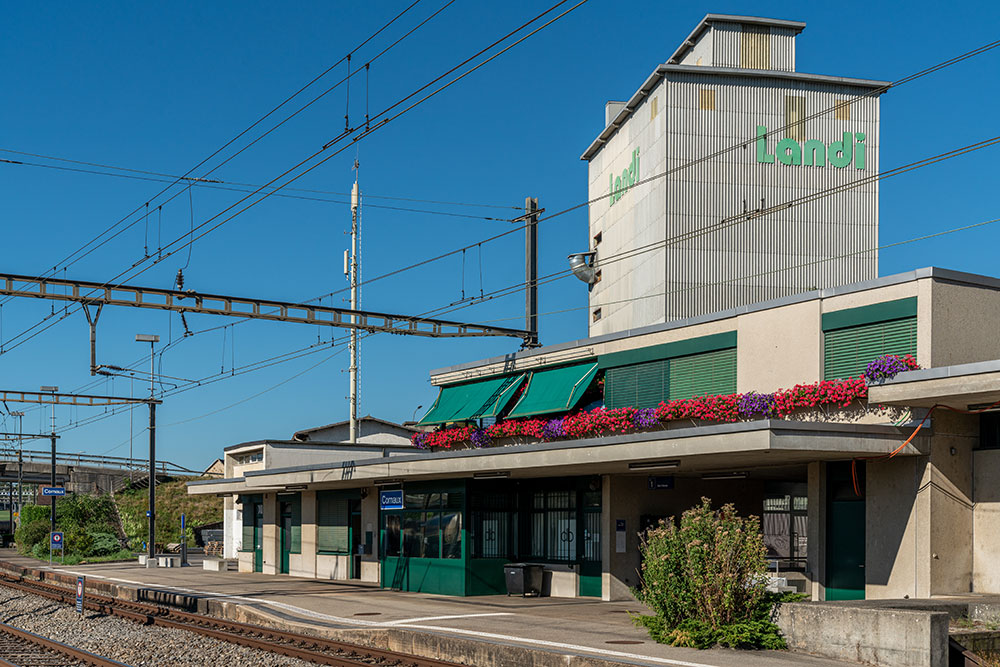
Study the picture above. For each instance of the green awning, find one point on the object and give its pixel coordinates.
(554, 390)
(472, 400)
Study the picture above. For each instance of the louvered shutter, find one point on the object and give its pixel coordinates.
(847, 351)
(709, 373)
(332, 523)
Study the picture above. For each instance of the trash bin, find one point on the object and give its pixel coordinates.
(523, 579)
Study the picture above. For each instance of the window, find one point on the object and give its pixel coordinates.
(706, 99)
(842, 110)
(252, 457)
(847, 351)
(654, 104)
(645, 385)
(553, 525)
(795, 117)
(989, 430)
(332, 522)
(755, 47)
(785, 527)
(597, 239)
(429, 527)
(493, 529)
(597, 314)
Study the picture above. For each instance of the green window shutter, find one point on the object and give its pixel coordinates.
(652, 384)
(709, 373)
(296, 546)
(638, 385)
(249, 509)
(332, 522)
(846, 352)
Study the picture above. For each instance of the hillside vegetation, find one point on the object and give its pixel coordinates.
(88, 524)
(172, 500)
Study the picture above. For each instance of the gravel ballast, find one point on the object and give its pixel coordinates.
(128, 642)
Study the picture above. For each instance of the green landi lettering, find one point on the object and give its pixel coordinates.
(619, 185)
(815, 153)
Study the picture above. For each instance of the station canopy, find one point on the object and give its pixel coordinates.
(473, 400)
(554, 390)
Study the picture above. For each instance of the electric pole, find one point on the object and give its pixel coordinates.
(52, 480)
(20, 463)
(152, 340)
(354, 269)
(531, 269)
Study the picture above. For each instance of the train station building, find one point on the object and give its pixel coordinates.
(733, 309)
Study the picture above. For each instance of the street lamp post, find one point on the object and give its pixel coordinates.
(152, 340)
(52, 479)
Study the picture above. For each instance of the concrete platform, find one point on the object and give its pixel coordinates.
(509, 630)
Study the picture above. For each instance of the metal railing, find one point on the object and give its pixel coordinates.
(94, 461)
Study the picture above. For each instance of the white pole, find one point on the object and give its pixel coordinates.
(355, 199)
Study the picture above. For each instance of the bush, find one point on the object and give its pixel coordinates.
(30, 513)
(41, 550)
(32, 533)
(78, 542)
(103, 544)
(705, 580)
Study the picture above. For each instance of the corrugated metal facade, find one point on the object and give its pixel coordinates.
(785, 252)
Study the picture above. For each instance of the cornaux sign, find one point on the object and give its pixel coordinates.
(619, 185)
(815, 153)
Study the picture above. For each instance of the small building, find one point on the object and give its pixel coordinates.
(244, 515)
(217, 469)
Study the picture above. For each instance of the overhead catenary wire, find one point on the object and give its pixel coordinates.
(83, 249)
(151, 262)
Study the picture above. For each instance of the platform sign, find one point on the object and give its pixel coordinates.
(80, 585)
(53, 491)
(390, 500)
(56, 541)
(656, 482)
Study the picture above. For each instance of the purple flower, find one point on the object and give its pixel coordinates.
(553, 429)
(420, 440)
(645, 418)
(753, 404)
(885, 368)
(480, 438)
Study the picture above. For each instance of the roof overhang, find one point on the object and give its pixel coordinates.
(795, 26)
(716, 447)
(963, 386)
(660, 72)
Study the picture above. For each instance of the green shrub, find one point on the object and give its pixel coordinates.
(32, 533)
(103, 544)
(78, 542)
(705, 580)
(41, 550)
(30, 513)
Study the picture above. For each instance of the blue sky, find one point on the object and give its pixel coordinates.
(159, 86)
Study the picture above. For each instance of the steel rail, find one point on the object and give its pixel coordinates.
(45, 647)
(304, 647)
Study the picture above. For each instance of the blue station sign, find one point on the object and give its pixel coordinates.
(391, 499)
(53, 491)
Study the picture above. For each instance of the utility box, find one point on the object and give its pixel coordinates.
(524, 579)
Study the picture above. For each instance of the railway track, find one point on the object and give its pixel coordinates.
(304, 647)
(19, 648)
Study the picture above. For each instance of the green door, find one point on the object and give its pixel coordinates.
(590, 556)
(258, 537)
(845, 534)
(286, 536)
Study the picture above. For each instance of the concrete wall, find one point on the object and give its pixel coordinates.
(882, 637)
(779, 361)
(957, 316)
(920, 516)
(986, 520)
(630, 293)
(270, 539)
